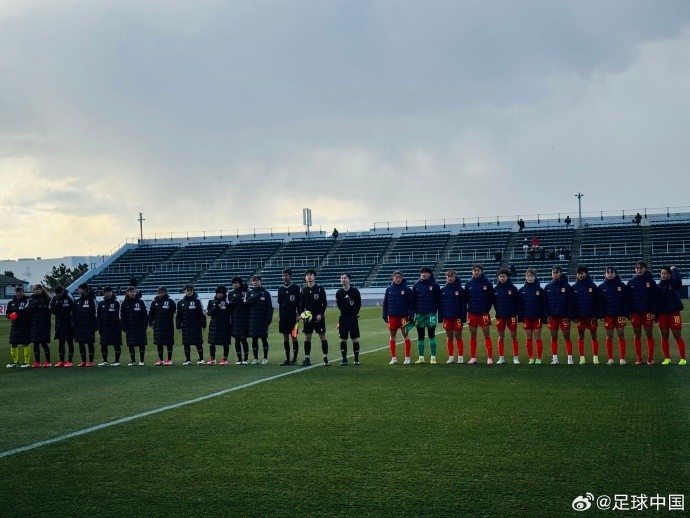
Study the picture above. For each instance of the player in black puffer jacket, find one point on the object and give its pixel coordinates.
(191, 320)
(20, 328)
(109, 329)
(260, 316)
(39, 307)
(219, 328)
(62, 306)
(162, 319)
(134, 321)
(84, 323)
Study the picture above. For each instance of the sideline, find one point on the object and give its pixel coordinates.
(174, 406)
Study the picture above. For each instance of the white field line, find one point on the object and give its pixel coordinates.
(174, 406)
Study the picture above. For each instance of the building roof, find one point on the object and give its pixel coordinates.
(6, 280)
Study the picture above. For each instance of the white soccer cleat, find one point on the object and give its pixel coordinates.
(132, 364)
(451, 360)
(116, 364)
(489, 361)
(461, 359)
(570, 361)
(201, 362)
(104, 364)
(141, 364)
(554, 361)
(264, 361)
(472, 361)
(393, 361)
(255, 362)
(623, 362)
(407, 361)
(501, 361)
(610, 362)
(186, 363)
(516, 361)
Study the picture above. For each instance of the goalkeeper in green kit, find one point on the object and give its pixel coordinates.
(426, 298)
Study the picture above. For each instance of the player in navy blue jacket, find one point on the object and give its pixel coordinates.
(398, 313)
(480, 297)
(668, 307)
(506, 304)
(426, 297)
(587, 312)
(532, 313)
(642, 292)
(614, 307)
(559, 310)
(452, 312)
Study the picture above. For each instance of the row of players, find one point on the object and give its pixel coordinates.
(247, 312)
(642, 301)
(241, 313)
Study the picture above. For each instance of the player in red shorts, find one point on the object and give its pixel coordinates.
(614, 306)
(531, 312)
(559, 310)
(480, 297)
(398, 312)
(506, 306)
(452, 312)
(642, 292)
(586, 312)
(669, 306)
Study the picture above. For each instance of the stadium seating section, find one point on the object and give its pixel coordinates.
(372, 258)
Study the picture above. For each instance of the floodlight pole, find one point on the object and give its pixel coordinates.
(579, 196)
(141, 227)
(306, 218)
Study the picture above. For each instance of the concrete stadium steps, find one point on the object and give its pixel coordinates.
(372, 259)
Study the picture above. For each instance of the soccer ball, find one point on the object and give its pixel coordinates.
(306, 315)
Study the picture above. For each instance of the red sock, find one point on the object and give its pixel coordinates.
(540, 347)
(650, 349)
(489, 347)
(530, 350)
(461, 346)
(622, 347)
(554, 346)
(637, 344)
(449, 346)
(408, 346)
(473, 346)
(681, 347)
(595, 347)
(609, 348)
(391, 345)
(515, 348)
(581, 346)
(569, 346)
(665, 348)
(501, 347)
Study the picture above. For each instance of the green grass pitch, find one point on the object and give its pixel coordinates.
(372, 440)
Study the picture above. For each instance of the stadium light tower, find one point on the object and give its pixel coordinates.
(579, 196)
(141, 227)
(306, 218)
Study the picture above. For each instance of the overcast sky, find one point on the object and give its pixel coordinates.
(216, 115)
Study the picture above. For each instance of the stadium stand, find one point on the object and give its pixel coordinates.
(371, 257)
(407, 254)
